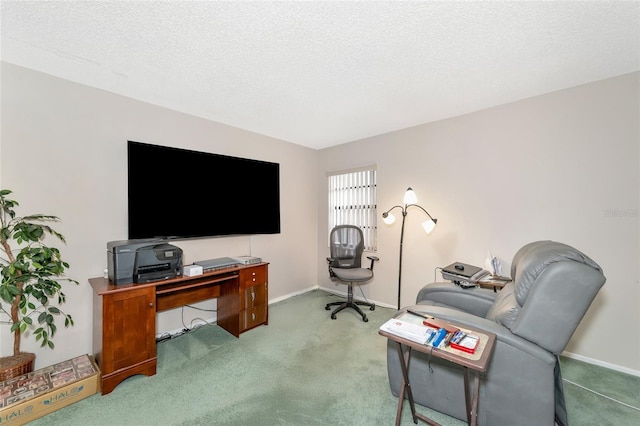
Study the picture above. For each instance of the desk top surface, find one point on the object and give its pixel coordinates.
(103, 285)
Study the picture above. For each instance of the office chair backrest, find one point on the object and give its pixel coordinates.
(346, 244)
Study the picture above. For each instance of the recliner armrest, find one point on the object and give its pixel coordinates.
(476, 301)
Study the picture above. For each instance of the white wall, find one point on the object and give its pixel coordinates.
(64, 153)
(563, 166)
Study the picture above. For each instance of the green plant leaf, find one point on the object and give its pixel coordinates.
(32, 270)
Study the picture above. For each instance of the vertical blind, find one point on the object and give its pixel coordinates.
(352, 201)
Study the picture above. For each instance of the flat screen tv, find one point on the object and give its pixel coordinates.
(179, 193)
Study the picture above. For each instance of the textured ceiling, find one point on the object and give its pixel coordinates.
(324, 73)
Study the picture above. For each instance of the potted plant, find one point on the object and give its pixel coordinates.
(31, 273)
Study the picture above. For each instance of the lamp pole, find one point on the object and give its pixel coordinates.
(404, 216)
(410, 200)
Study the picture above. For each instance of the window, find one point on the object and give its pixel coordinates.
(352, 201)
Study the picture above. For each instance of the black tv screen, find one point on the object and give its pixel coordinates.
(179, 193)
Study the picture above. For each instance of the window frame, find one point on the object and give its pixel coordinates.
(352, 200)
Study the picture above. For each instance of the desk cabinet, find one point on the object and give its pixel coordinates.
(124, 339)
(253, 297)
(124, 316)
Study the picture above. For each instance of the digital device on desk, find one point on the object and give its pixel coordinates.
(463, 274)
(142, 261)
(247, 260)
(215, 264)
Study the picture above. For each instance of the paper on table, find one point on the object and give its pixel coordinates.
(415, 333)
(493, 264)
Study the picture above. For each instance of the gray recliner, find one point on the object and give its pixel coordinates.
(533, 317)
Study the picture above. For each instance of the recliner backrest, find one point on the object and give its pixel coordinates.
(346, 245)
(553, 286)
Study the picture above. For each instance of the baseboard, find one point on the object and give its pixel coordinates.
(295, 293)
(603, 364)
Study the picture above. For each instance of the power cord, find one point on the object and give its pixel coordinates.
(186, 329)
(601, 395)
(200, 309)
(362, 292)
(192, 327)
(163, 337)
(434, 273)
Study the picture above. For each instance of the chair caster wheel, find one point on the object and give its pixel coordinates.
(373, 308)
(326, 308)
(365, 319)
(333, 317)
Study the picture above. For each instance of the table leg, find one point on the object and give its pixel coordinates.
(471, 401)
(405, 359)
(405, 386)
(476, 396)
(400, 403)
(467, 398)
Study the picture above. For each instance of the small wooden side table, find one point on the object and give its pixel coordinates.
(494, 282)
(476, 362)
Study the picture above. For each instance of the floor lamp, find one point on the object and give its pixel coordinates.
(410, 200)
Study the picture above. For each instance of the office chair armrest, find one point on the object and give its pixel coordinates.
(331, 261)
(373, 259)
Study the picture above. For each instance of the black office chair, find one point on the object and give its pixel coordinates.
(346, 245)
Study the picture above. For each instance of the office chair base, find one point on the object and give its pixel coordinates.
(350, 303)
(353, 305)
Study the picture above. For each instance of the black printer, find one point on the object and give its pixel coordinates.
(142, 261)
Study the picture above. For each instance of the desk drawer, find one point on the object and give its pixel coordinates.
(187, 291)
(188, 296)
(252, 317)
(253, 296)
(253, 276)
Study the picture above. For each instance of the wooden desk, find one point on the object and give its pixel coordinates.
(124, 316)
(478, 364)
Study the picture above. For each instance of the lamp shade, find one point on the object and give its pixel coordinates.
(429, 225)
(388, 218)
(410, 197)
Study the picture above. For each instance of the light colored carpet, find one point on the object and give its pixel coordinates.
(301, 369)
